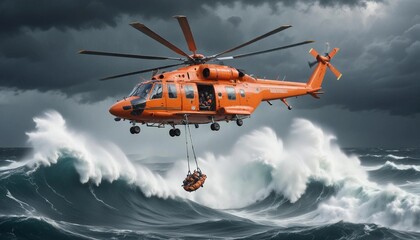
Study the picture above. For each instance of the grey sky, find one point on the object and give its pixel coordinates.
(377, 102)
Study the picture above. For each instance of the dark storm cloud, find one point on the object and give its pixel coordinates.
(384, 73)
(80, 14)
(39, 41)
(235, 20)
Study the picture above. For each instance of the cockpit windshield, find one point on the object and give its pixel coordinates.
(141, 90)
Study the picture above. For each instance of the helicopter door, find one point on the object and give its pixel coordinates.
(207, 99)
(173, 96)
(155, 101)
(189, 97)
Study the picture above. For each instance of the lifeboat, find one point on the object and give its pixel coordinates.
(194, 181)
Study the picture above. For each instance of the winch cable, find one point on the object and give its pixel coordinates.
(192, 144)
(186, 147)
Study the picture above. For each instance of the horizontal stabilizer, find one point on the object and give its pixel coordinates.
(315, 94)
(311, 64)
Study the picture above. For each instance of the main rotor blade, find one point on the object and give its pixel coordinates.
(264, 51)
(142, 71)
(183, 23)
(129, 55)
(142, 28)
(279, 29)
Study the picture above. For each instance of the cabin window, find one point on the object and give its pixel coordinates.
(189, 91)
(157, 91)
(242, 92)
(172, 91)
(231, 93)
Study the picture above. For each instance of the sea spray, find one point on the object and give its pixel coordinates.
(96, 160)
(260, 163)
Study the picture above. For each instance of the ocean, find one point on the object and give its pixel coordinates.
(69, 185)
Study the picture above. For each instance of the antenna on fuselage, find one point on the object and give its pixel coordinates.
(155, 72)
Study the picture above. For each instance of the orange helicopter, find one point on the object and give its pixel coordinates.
(201, 92)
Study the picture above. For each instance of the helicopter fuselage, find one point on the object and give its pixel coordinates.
(205, 93)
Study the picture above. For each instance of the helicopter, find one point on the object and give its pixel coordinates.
(202, 91)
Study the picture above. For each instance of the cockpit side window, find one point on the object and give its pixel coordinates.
(141, 90)
(157, 91)
(134, 91)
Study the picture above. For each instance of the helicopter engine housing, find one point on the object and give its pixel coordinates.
(220, 73)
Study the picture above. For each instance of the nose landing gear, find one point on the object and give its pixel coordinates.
(239, 122)
(215, 126)
(135, 130)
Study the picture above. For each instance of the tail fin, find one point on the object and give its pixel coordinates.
(315, 81)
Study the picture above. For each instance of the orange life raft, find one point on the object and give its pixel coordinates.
(194, 181)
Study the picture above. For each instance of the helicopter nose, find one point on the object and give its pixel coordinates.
(118, 108)
(115, 109)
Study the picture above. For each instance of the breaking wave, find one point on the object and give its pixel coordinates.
(303, 179)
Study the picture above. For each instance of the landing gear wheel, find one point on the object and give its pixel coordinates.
(135, 130)
(172, 132)
(215, 127)
(239, 122)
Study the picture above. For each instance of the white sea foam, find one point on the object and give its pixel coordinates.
(96, 160)
(392, 165)
(259, 163)
(371, 155)
(395, 166)
(396, 157)
(384, 205)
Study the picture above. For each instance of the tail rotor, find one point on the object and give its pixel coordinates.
(326, 54)
(322, 63)
(326, 60)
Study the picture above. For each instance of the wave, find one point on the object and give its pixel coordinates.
(401, 167)
(257, 165)
(376, 159)
(304, 179)
(390, 165)
(50, 229)
(57, 193)
(95, 161)
(372, 155)
(395, 173)
(397, 157)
